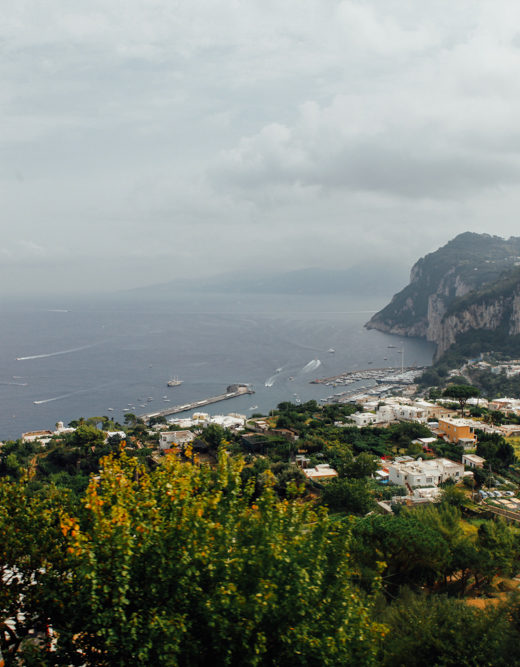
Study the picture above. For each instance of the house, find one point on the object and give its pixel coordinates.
(42, 436)
(424, 473)
(473, 461)
(361, 419)
(458, 431)
(424, 443)
(302, 460)
(179, 438)
(321, 472)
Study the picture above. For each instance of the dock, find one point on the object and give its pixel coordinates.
(232, 391)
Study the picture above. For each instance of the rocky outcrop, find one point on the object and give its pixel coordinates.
(471, 283)
(491, 316)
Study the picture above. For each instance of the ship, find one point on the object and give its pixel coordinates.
(174, 382)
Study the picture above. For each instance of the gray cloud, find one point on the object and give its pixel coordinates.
(182, 138)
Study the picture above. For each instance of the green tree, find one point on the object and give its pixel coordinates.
(181, 566)
(439, 631)
(461, 392)
(345, 495)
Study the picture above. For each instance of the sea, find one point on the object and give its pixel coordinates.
(66, 358)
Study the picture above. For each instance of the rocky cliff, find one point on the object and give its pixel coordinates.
(471, 283)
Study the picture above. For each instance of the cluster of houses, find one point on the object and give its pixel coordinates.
(443, 421)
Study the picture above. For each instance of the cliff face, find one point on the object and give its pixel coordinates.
(471, 283)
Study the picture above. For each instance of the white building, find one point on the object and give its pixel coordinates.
(424, 473)
(321, 472)
(361, 419)
(473, 461)
(169, 438)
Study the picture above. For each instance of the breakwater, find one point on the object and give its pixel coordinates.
(232, 392)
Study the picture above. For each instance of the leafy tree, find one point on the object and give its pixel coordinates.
(351, 496)
(461, 392)
(181, 566)
(364, 465)
(87, 435)
(440, 631)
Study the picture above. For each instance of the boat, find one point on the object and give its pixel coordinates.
(254, 407)
(331, 350)
(110, 409)
(291, 378)
(174, 382)
(278, 370)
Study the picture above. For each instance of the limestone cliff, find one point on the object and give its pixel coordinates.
(471, 283)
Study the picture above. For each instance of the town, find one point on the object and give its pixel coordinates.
(416, 488)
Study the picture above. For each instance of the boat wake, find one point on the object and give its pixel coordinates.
(72, 393)
(270, 381)
(311, 366)
(55, 354)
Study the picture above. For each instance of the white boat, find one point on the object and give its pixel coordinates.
(174, 382)
(331, 350)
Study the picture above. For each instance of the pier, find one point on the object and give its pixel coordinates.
(232, 391)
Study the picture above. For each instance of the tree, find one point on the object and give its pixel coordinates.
(345, 495)
(87, 435)
(461, 392)
(182, 566)
(437, 630)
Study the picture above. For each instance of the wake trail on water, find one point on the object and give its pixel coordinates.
(270, 381)
(311, 366)
(72, 393)
(55, 354)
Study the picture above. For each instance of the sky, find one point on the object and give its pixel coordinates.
(144, 141)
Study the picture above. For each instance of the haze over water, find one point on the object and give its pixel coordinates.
(64, 360)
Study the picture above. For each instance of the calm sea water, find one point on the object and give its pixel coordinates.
(62, 360)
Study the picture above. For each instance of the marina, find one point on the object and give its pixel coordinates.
(393, 375)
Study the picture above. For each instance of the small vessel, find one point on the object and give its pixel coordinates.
(174, 382)
(291, 378)
(253, 407)
(331, 350)
(278, 370)
(110, 409)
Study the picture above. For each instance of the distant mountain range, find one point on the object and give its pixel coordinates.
(471, 284)
(361, 280)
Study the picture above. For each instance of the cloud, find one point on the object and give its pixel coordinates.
(198, 137)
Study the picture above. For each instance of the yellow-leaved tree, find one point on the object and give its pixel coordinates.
(184, 566)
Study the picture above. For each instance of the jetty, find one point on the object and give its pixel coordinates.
(232, 391)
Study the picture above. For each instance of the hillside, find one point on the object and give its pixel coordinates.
(472, 283)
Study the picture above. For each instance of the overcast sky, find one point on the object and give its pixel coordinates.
(142, 140)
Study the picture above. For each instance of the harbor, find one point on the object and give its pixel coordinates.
(232, 391)
(393, 375)
(380, 382)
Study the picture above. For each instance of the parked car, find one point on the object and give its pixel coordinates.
(483, 494)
